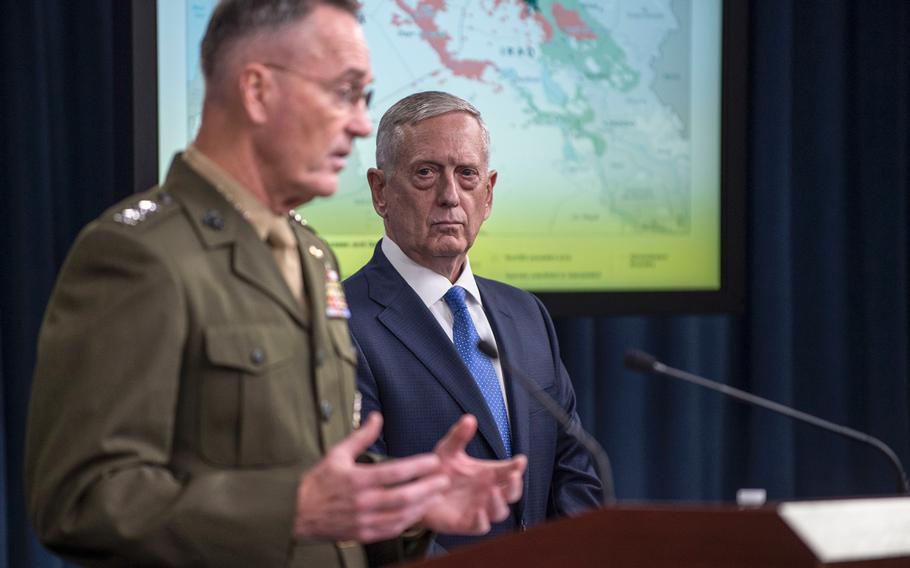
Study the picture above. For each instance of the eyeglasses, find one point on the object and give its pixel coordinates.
(346, 94)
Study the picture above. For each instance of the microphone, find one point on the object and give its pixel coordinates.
(645, 363)
(601, 460)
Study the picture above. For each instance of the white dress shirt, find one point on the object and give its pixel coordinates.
(432, 286)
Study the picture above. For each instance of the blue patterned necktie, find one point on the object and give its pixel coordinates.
(465, 337)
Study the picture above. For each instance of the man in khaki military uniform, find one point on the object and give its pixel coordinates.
(194, 396)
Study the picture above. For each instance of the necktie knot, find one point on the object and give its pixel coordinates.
(280, 235)
(455, 299)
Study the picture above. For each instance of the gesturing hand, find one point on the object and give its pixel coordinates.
(479, 490)
(340, 499)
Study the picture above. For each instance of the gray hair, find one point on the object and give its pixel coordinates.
(233, 20)
(416, 108)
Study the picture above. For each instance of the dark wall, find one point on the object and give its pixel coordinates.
(826, 327)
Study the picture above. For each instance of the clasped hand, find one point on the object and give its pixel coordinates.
(446, 491)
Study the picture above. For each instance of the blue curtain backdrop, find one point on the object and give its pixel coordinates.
(58, 173)
(826, 327)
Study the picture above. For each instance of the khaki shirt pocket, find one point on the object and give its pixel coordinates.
(256, 395)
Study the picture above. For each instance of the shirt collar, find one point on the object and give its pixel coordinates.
(254, 211)
(430, 286)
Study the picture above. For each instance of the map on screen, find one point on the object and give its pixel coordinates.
(605, 125)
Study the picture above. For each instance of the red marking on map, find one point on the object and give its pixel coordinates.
(423, 15)
(569, 22)
(398, 21)
(547, 28)
(541, 21)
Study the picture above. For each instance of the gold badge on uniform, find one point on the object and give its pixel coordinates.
(336, 306)
(316, 251)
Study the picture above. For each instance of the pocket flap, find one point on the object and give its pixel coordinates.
(250, 348)
(341, 337)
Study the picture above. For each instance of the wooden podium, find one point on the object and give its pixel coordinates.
(843, 533)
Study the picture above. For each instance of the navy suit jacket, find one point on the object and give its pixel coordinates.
(409, 370)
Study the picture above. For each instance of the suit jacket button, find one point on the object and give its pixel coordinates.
(325, 407)
(257, 356)
(320, 357)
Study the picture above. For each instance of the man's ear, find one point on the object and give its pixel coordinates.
(256, 86)
(377, 181)
(488, 206)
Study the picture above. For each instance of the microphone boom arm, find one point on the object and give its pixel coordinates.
(646, 363)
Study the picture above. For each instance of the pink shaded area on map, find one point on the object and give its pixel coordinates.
(543, 23)
(423, 16)
(539, 18)
(569, 22)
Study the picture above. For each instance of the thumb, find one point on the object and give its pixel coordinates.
(359, 440)
(458, 436)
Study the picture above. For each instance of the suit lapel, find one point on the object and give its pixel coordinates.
(510, 353)
(406, 317)
(219, 224)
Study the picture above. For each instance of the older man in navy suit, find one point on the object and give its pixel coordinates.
(418, 312)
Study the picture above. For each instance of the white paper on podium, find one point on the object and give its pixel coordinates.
(851, 529)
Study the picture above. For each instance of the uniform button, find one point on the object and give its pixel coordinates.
(325, 407)
(320, 357)
(213, 220)
(257, 356)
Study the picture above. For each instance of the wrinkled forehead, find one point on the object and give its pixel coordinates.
(454, 135)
